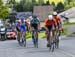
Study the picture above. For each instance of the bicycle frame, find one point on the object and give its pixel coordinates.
(51, 43)
(35, 38)
(22, 39)
(57, 34)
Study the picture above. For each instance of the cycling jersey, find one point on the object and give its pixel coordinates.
(18, 26)
(49, 24)
(57, 18)
(58, 21)
(34, 23)
(23, 25)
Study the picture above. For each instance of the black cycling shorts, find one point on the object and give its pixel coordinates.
(49, 28)
(35, 26)
(58, 24)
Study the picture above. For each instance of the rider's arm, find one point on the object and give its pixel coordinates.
(60, 22)
(30, 25)
(38, 23)
(55, 24)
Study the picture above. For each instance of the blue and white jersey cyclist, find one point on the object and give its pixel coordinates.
(22, 24)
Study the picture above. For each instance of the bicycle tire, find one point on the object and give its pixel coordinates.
(57, 41)
(35, 41)
(24, 43)
(51, 45)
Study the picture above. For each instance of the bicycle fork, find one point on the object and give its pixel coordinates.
(35, 39)
(51, 42)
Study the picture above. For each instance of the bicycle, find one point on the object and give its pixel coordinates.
(18, 34)
(18, 37)
(57, 35)
(51, 42)
(35, 38)
(22, 39)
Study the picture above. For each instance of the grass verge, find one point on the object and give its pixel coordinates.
(65, 24)
(42, 34)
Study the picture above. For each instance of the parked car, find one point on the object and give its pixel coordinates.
(2, 32)
(10, 33)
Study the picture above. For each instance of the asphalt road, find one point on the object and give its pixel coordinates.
(71, 29)
(11, 48)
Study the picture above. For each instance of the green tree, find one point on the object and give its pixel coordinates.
(68, 1)
(4, 10)
(59, 7)
(68, 6)
(47, 2)
(53, 4)
(40, 2)
(25, 5)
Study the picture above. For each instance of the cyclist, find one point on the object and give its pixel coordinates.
(35, 24)
(58, 21)
(22, 25)
(18, 29)
(18, 25)
(49, 23)
(28, 23)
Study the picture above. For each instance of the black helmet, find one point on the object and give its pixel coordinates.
(34, 16)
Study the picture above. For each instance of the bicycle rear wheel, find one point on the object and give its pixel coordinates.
(51, 47)
(57, 41)
(23, 40)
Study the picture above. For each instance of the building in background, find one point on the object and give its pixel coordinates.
(42, 11)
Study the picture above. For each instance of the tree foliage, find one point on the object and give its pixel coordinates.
(24, 6)
(68, 1)
(53, 4)
(70, 4)
(47, 2)
(4, 10)
(60, 7)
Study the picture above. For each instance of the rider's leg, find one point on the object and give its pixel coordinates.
(47, 37)
(21, 30)
(36, 33)
(32, 35)
(54, 35)
(18, 35)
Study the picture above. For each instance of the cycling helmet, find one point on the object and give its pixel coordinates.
(50, 17)
(34, 16)
(54, 13)
(22, 19)
(30, 17)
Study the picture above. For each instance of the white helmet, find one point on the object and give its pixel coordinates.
(30, 17)
(50, 17)
(54, 13)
